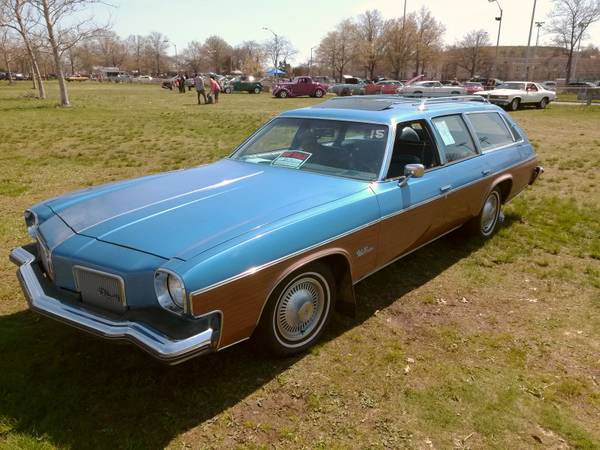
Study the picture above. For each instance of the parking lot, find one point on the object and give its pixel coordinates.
(462, 344)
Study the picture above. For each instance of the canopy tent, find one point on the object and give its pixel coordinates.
(274, 71)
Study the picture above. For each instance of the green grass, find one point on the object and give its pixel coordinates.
(463, 344)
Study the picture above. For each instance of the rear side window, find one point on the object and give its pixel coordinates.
(490, 129)
(455, 137)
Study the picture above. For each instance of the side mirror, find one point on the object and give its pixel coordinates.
(411, 171)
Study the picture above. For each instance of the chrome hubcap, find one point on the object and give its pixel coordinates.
(489, 215)
(300, 308)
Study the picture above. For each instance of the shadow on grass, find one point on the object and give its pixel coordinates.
(62, 386)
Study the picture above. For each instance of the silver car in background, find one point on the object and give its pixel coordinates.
(431, 89)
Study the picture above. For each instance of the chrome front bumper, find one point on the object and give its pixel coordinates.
(159, 345)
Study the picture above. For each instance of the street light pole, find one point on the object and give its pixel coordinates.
(527, 56)
(499, 19)
(311, 60)
(537, 43)
(276, 49)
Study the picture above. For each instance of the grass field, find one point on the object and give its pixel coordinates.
(463, 344)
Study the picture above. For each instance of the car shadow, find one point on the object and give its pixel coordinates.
(73, 390)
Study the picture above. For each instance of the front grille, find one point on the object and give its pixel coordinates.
(100, 289)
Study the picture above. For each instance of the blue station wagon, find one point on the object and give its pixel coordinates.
(269, 242)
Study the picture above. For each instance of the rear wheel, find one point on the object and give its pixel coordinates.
(486, 223)
(543, 103)
(514, 105)
(297, 311)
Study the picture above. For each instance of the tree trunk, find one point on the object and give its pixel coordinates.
(7, 63)
(33, 78)
(569, 64)
(34, 64)
(64, 93)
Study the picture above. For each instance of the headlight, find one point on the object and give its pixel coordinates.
(170, 291)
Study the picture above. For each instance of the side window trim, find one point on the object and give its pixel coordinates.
(432, 137)
(474, 133)
(512, 128)
(440, 144)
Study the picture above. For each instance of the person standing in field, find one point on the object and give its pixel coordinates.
(215, 88)
(200, 89)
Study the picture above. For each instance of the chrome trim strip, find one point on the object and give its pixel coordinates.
(424, 202)
(253, 270)
(157, 344)
(339, 236)
(119, 278)
(405, 254)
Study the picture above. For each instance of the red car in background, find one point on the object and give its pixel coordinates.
(383, 87)
(472, 86)
(299, 87)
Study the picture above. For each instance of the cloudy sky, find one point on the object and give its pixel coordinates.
(304, 22)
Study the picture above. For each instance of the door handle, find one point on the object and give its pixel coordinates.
(446, 188)
(485, 172)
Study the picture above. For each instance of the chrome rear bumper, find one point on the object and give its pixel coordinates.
(162, 347)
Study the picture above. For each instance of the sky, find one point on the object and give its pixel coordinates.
(305, 22)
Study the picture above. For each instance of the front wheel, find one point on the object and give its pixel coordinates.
(319, 93)
(514, 105)
(282, 94)
(297, 312)
(256, 90)
(486, 223)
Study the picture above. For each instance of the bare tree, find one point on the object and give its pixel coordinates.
(19, 16)
(194, 57)
(337, 49)
(428, 39)
(570, 19)
(370, 43)
(157, 44)
(63, 31)
(470, 52)
(278, 49)
(135, 44)
(248, 57)
(399, 37)
(218, 53)
(112, 49)
(7, 46)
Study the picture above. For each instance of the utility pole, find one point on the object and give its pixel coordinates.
(527, 56)
(311, 60)
(499, 20)
(537, 43)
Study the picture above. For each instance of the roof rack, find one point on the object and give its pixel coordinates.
(454, 98)
(386, 101)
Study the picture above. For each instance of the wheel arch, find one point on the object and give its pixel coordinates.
(505, 184)
(338, 260)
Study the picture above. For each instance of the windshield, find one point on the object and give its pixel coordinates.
(517, 86)
(330, 147)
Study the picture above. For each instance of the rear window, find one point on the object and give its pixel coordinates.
(490, 129)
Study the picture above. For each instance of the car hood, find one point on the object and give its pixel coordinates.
(503, 92)
(181, 214)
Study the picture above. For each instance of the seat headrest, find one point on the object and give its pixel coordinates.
(409, 135)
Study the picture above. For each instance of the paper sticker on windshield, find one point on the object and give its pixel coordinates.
(442, 127)
(292, 159)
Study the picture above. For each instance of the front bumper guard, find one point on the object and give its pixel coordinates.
(162, 347)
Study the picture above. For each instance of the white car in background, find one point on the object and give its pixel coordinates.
(431, 88)
(513, 94)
